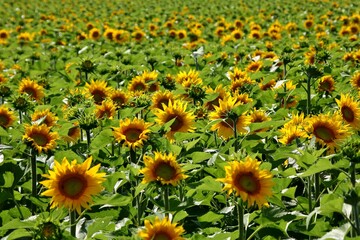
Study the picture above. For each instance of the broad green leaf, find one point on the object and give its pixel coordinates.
(209, 184)
(100, 224)
(17, 224)
(68, 154)
(19, 234)
(289, 192)
(178, 216)
(8, 179)
(210, 217)
(3, 132)
(102, 140)
(198, 157)
(117, 200)
(320, 166)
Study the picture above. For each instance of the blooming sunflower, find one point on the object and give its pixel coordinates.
(329, 130)
(71, 185)
(326, 84)
(47, 117)
(138, 85)
(162, 97)
(161, 230)
(248, 181)
(350, 110)
(254, 66)
(258, 116)
(222, 94)
(105, 110)
(32, 88)
(225, 128)
(290, 133)
(98, 89)
(162, 168)
(132, 132)
(188, 79)
(119, 97)
(94, 34)
(73, 133)
(355, 80)
(138, 35)
(7, 117)
(183, 120)
(40, 137)
(242, 98)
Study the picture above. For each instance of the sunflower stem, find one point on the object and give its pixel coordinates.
(240, 208)
(20, 117)
(308, 94)
(72, 223)
(236, 143)
(309, 194)
(317, 187)
(352, 174)
(166, 200)
(132, 155)
(33, 179)
(88, 139)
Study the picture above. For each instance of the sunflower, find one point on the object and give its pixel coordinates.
(138, 85)
(119, 97)
(242, 98)
(73, 133)
(160, 98)
(4, 34)
(254, 66)
(98, 90)
(71, 185)
(222, 94)
(121, 36)
(162, 168)
(290, 133)
(151, 80)
(328, 130)
(106, 109)
(40, 137)
(258, 116)
(355, 80)
(45, 116)
(224, 112)
(7, 117)
(263, 85)
(138, 35)
(32, 88)
(109, 33)
(163, 229)
(94, 34)
(350, 110)
(255, 34)
(188, 79)
(183, 120)
(236, 34)
(248, 181)
(326, 84)
(181, 34)
(132, 132)
(308, 23)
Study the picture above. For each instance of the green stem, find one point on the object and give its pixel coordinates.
(138, 205)
(20, 117)
(308, 94)
(73, 223)
(88, 139)
(166, 200)
(17, 206)
(236, 144)
(240, 208)
(33, 179)
(132, 155)
(352, 174)
(317, 187)
(309, 194)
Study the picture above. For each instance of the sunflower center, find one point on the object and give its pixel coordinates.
(177, 124)
(249, 183)
(161, 236)
(165, 171)
(73, 186)
(132, 135)
(348, 114)
(40, 139)
(324, 133)
(139, 87)
(98, 96)
(4, 120)
(325, 86)
(31, 92)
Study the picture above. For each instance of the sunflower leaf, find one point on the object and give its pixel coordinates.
(210, 217)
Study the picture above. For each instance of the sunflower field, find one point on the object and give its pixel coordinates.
(171, 120)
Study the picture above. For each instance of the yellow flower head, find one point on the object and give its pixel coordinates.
(71, 185)
(248, 181)
(119, 97)
(32, 88)
(350, 110)
(161, 229)
(326, 84)
(7, 117)
(162, 97)
(162, 168)
(105, 110)
(132, 132)
(329, 130)
(225, 128)
(45, 116)
(40, 137)
(355, 80)
(183, 120)
(98, 90)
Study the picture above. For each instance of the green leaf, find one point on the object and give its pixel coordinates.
(209, 184)
(198, 157)
(3, 132)
(289, 192)
(8, 179)
(17, 224)
(100, 225)
(320, 166)
(19, 234)
(102, 140)
(113, 200)
(180, 216)
(68, 154)
(210, 217)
